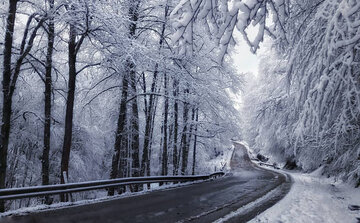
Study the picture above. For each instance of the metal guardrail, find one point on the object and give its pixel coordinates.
(37, 191)
(270, 165)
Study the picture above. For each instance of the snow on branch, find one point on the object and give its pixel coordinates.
(222, 17)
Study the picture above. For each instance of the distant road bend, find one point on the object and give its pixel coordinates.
(238, 197)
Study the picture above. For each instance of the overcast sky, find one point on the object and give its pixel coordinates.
(245, 61)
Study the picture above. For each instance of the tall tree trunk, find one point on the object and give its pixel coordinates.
(151, 110)
(135, 168)
(164, 169)
(10, 76)
(184, 140)
(144, 91)
(176, 128)
(186, 147)
(7, 100)
(134, 14)
(69, 108)
(119, 131)
(47, 110)
(195, 141)
(148, 165)
(128, 75)
(125, 154)
(124, 167)
(193, 111)
(148, 126)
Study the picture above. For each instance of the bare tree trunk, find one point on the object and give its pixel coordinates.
(148, 126)
(134, 14)
(184, 140)
(135, 144)
(193, 111)
(186, 148)
(119, 132)
(164, 169)
(69, 108)
(73, 48)
(7, 100)
(148, 164)
(124, 164)
(195, 141)
(125, 154)
(47, 110)
(13, 164)
(144, 91)
(129, 74)
(151, 110)
(176, 128)
(10, 76)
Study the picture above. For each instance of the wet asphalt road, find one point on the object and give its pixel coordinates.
(200, 202)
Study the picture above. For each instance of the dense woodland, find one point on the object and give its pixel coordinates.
(123, 88)
(307, 110)
(97, 90)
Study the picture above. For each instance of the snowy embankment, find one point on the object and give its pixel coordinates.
(314, 198)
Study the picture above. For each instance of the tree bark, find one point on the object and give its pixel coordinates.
(195, 141)
(186, 147)
(134, 14)
(184, 140)
(148, 126)
(176, 128)
(10, 76)
(7, 100)
(135, 169)
(164, 169)
(47, 109)
(129, 74)
(119, 132)
(69, 108)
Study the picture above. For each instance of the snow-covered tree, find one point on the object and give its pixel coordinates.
(321, 63)
(101, 63)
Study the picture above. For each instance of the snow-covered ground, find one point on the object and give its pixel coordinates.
(314, 198)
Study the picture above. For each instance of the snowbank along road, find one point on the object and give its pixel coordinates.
(238, 197)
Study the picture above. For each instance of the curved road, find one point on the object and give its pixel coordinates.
(239, 197)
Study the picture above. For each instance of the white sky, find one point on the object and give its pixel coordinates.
(245, 61)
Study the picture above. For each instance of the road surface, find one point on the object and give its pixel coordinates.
(231, 196)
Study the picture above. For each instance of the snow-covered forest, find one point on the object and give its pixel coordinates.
(97, 90)
(123, 88)
(307, 109)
